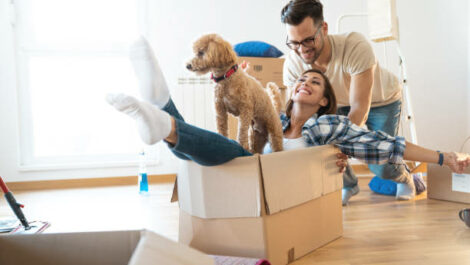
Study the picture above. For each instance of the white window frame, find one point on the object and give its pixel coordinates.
(26, 159)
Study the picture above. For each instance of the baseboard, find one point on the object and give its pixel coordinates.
(87, 183)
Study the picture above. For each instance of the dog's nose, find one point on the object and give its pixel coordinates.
(188, 66)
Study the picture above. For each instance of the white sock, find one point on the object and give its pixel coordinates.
(153, 87)
(153, 124)
(347, 193)
(406, 191)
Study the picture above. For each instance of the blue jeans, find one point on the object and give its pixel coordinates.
(201, 146)
(384, 118)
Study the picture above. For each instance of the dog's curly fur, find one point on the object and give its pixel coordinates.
(240, 94)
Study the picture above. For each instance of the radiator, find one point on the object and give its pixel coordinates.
(195, 100)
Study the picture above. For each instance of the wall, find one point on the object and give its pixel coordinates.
(435, 42)
(8, 107)
(172, 35)
(467, 145)
(434, 38)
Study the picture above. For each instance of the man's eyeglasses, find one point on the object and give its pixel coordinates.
(307, 43)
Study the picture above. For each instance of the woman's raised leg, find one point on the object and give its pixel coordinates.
(186, 141)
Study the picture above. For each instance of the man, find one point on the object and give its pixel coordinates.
(368, 94)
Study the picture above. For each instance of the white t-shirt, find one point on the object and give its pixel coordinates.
(288, 144)
(351, 54)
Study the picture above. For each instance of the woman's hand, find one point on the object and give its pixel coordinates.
(342, 162)
(457, 162)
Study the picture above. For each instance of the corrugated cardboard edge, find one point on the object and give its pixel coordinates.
(155, 249)
(265, 209)
(174, 195)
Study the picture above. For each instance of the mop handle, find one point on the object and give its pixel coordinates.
(16, 207)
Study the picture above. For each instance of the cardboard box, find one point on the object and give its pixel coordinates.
(97, 248)
(448, 186)
(277, 206)
(267, 70)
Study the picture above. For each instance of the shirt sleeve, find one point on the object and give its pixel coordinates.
(358, 54)
(370, 147)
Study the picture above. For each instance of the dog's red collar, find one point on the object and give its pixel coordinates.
(230, 72)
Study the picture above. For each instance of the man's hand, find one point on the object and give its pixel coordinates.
(342, 162)
(457, 162)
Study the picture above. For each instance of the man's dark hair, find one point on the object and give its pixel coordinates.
(297, 10)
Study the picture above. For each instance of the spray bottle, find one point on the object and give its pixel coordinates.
(143, 181)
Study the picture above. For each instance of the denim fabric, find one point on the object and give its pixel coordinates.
(210, 149)
(385, 118)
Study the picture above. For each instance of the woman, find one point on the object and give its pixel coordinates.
(309, 121)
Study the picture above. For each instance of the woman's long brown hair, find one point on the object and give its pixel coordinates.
(328, 92)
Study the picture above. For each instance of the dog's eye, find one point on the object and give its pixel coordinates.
(200, 53)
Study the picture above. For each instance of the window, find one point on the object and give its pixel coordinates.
(70, 54)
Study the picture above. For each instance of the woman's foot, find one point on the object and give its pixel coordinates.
(153, 124)
(153, 87)
(347, 193)
(406, 191)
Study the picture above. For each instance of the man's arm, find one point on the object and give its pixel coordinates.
(360, 96)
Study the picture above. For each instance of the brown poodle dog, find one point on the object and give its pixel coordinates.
(240, 94)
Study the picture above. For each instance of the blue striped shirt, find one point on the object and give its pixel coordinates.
(370, 147)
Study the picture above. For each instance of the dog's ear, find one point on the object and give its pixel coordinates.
(222, 52)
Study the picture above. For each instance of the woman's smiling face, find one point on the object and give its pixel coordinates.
(309, 89)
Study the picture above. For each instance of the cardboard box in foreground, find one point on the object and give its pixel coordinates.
(277, 206)
(97, 248)
(448, 186)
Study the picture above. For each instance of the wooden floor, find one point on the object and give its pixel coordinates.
(377, 229)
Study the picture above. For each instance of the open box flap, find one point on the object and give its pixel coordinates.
(155, 249)
(91, 248)
(230, 190)
(294, 177)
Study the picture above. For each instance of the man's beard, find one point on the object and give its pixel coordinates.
(316, 55)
